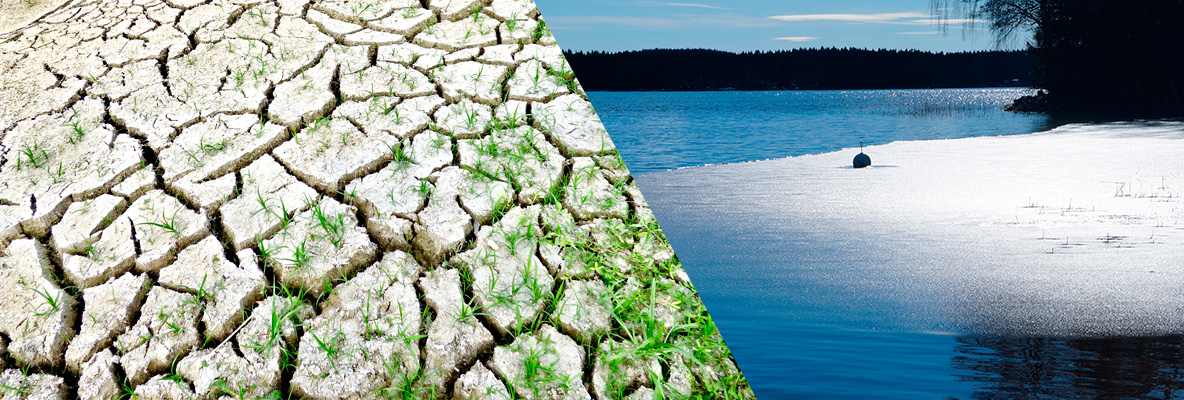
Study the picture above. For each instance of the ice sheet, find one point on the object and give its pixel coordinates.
(1071, 232)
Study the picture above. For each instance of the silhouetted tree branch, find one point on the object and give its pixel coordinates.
(1006, 17)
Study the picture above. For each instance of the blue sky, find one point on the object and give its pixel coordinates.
(745, 25)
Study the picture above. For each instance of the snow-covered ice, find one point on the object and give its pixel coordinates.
(1074, 231)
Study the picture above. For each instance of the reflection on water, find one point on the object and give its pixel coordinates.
(1056, 368)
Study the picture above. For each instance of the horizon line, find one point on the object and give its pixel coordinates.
(794, 49)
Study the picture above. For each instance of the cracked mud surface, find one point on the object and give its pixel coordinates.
(248, 199)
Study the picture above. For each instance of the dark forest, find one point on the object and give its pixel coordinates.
(1109, 58)
(814, 69)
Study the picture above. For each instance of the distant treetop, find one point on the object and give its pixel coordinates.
(819, 68)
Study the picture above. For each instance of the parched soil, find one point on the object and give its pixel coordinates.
(337, 199)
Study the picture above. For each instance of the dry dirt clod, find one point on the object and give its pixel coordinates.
(588, 194)
(333, 151)
(270, 196)
(108, 310)
(162, 226)
(476, 31)
(542, 365)
(113, 254)
(364, 340)
(98, 380)
(322, 245)
(583, 311)
(82, 221)
(166, 331)
(510, 284)
(255, 369)
(164, 389)
(479, 383)
(38, 314)
(224, 289)
(618, 367)
(575, 126)
(34, 386)
(455, 337)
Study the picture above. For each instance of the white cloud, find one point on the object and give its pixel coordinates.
(915, 18)
(675, 21)
(797, 38)
(871, 18)
(918, 33)
(692, 5)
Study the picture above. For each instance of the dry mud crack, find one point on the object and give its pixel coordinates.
(273, 199)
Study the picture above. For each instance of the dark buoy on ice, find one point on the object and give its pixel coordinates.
(861, 160)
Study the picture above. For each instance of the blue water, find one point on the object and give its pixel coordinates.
(810, 319)
(664, 130)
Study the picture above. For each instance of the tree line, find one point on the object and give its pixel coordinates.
(821, 68)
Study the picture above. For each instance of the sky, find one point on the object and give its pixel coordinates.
(747, 25)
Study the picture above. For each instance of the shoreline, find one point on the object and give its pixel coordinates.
(806, 90)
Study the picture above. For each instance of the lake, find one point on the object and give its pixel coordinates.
(665, 130)
(811, 312)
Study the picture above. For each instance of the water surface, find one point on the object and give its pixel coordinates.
(664, 130)
(815, 309)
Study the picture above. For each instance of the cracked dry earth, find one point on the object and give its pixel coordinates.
(241, 199)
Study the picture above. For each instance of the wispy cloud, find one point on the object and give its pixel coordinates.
(899, 18)
(689, 5)
(736, 21)
(918, 33)
(628, 21)
(873, 18)
(797, 38)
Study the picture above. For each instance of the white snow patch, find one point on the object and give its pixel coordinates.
(1074, 231)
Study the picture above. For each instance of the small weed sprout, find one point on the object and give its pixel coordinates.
(90, 252)
(424, 189)
(265, 253)
(330, 347)
(285, 217)
(35, 156)
(300, 255)
(358, 11)
(399, 155)
(76, 132)
(212, 148)
(512, 24)
(193, 159)
(540, 31)
(23, 389)
(202, 294)
(239, 76)
(60, 175)
(321, 122)
(333, 226)
(167, 319)
(259, 13)
(53, 303)
(167, 224)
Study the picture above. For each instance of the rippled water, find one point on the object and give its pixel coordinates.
(815, 309)
(664, 130)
